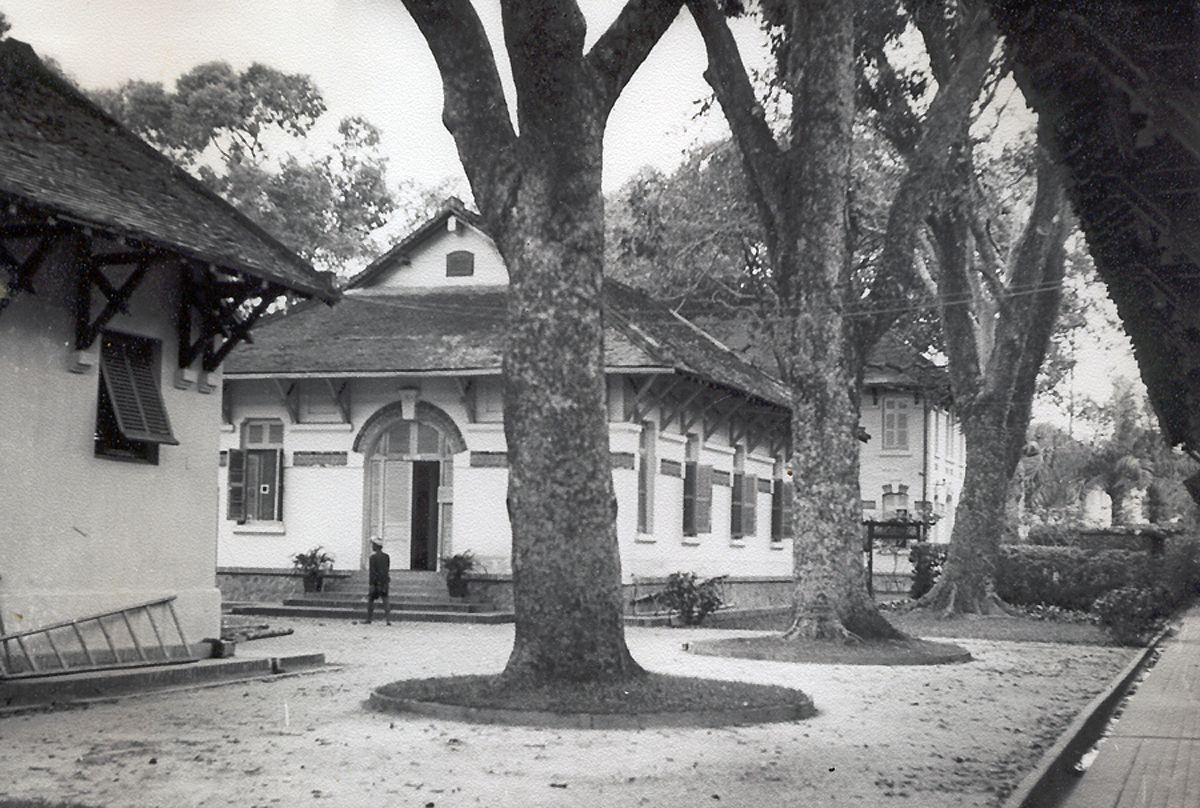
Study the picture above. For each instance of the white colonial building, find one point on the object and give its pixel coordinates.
(123, 285)
(382, 416)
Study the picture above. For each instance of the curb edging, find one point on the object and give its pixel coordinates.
(551, 720)
(1081, 733)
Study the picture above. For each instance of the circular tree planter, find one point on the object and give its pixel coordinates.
(653, 700)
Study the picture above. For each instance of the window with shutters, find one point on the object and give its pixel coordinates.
(781, 503)
(737, 501)
(131, 418)
(460, 264)
(691, 476)
(255, 481)
(895, 423)
(647, 466)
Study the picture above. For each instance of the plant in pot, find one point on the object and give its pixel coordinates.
(313, 565)
(455, 567)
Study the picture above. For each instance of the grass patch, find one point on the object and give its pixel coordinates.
(1066, 629)
(1000, 627)
(879, 652)
(650, 693)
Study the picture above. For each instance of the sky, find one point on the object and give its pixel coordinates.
(367, 57)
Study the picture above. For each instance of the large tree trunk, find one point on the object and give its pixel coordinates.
(540, 194)
(812, 264)
(967, 585)
(566, 565)
(994, 362)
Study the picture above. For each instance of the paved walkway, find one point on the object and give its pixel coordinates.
(1152, 758)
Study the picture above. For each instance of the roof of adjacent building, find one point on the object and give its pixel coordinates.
(61, 153)
(461, 329)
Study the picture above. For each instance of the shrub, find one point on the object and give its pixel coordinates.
(1181, 567)
(692, 597)
(1054, 534)
(927, 562)
(1132, 613)
(1068, 577)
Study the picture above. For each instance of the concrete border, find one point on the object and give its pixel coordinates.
(104, 687)
(546, 719)
(1057, 762)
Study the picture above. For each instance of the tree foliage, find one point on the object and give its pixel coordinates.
(241, 133)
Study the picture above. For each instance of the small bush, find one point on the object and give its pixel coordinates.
(693, 598)
(1053, 535)
(1181, 567)
(1132, 613)
(927, 562)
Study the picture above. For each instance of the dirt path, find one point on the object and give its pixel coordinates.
(959, 735)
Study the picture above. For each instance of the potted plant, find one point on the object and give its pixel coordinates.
(455, 567)
(313, 565)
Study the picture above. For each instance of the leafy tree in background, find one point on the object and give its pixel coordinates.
(235, 131)
(833, 281)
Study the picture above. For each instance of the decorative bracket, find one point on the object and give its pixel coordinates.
(341, 397)
(227, 308)
(91, 273)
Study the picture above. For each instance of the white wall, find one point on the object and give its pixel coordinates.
(82, 534)
(324, 505)
(428, 262)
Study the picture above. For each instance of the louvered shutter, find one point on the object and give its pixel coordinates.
(789, 494)
(235, 506)
(397, 504)
(736, 491)
(279, 484)
(777, 510)
(131, 379)
(689, 498)
(750, 506)
(704, 487)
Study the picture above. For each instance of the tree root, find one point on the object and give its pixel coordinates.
(950, 599)
(817, 628)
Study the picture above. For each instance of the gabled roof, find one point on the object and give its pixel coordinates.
(461, 330)
(61, 153)
(453, 206)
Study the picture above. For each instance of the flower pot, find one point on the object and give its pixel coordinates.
(313, 582)
(456, 586)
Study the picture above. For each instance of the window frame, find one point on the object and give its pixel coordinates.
(131, 414)
(269, 448)
(889, 441)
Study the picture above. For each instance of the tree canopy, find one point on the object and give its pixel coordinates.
(242, 134)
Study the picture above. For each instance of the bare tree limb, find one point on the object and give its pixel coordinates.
(727, 75)
(1041, 239)
(475, 111)
(621, 49)
(945, 134)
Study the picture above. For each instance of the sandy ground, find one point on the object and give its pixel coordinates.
(956, 735)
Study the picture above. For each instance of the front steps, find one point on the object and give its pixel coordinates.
(414, 597)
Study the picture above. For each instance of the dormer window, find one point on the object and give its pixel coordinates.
(460, 264)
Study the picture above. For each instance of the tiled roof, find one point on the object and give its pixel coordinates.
(60, 153)
(462, 329)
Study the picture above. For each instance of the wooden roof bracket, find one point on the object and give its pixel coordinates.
(341, 397)
(21, 273)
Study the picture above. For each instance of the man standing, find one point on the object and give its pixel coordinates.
(379, 575)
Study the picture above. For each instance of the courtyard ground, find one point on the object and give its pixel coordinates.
(955, 735)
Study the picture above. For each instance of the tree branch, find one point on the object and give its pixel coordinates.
(727, 75)
(621, 49)
(475, 112)
(1040, 242)
(945, 134)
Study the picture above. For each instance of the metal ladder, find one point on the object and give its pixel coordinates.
(142, 654)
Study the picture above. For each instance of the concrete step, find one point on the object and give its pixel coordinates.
(360, 613)
(395, 594)
(401, 604)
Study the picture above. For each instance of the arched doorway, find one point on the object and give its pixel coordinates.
(409, 484)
